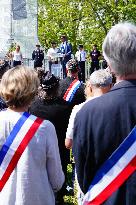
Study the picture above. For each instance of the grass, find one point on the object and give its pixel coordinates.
(70, 200)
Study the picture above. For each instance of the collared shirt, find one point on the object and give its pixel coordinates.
(80, 55)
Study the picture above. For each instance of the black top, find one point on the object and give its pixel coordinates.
(56, 111)
(95, 54)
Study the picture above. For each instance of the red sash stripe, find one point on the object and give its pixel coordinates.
(119, 180)
(69, 88)
(20, 151)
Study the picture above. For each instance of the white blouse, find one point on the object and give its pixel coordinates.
(17, 56)
(38, 173)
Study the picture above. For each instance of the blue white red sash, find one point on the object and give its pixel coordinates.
(114, 172)
(69, 94)
(15, 144)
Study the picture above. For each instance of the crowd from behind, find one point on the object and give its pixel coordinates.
(42, 117)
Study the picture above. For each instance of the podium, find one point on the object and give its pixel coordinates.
(56, 67)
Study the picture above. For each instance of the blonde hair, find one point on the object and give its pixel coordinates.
(19, 86)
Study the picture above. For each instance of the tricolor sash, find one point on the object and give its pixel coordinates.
(69, 94)
(15, 144)
(114, 172)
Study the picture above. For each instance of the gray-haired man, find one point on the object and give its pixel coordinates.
(103, 124)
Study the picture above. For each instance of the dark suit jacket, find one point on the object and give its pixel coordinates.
(100, 126)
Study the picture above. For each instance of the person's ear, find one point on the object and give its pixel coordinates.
(90, 87)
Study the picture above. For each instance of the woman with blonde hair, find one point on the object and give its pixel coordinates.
(17, 56)
(30, 167)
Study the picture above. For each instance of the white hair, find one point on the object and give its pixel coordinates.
(119, 49)
(101, 78)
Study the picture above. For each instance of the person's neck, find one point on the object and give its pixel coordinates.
(99, 91)
(128, 77)
(74, 75)
(19, 109)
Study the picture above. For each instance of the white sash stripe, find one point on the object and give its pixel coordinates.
(112, 174)
(18, 139)
(71, 90)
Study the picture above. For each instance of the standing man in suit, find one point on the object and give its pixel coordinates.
(38, 56)
(65, 49)
(105, 156)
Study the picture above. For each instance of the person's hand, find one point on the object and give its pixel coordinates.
(68, 143)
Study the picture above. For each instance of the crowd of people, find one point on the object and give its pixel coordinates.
(64, 53)
(58, 56)
(42, 117)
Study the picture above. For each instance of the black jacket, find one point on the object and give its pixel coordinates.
(79, 96)
(38, 56)
(58, 112)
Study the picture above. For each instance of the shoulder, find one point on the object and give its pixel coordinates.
(76, 108)
(100, 105)
(45, 125)
(49, 50)
(66, 81)
(68, 44)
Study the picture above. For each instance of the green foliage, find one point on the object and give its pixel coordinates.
(84, 21)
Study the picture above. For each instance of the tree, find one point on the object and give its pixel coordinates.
(84, 21)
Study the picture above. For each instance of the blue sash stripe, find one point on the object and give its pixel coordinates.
(73, 93)
(12, 135)
(113, 159)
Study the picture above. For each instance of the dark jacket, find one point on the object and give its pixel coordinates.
(38, 56)
(79, 96)
(100, 127)
(58, 112)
